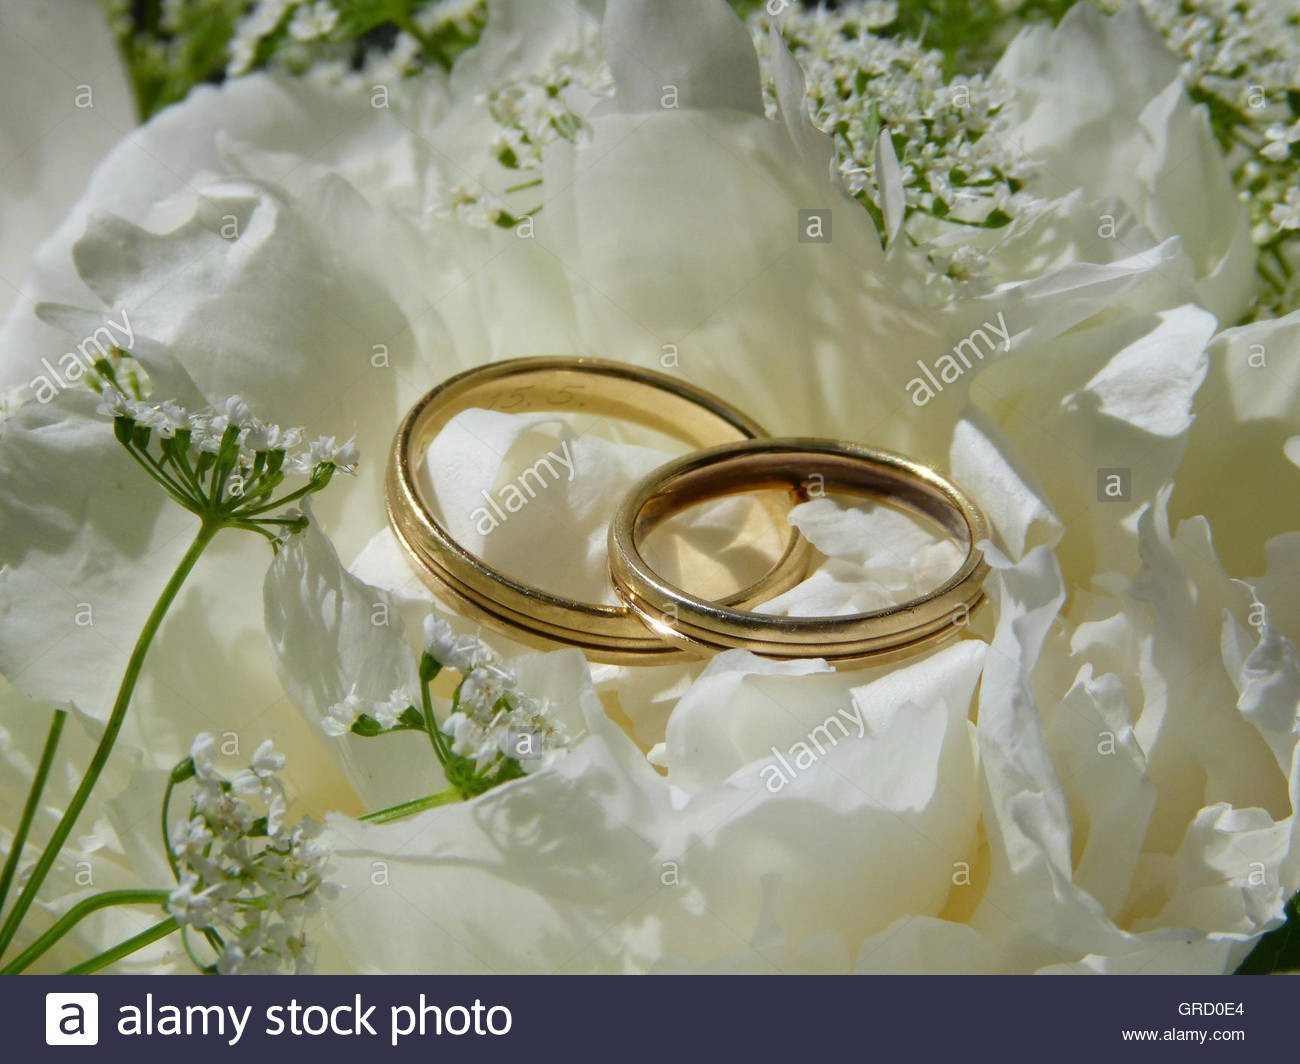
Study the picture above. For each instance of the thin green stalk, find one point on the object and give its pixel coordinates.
(75, 915)
(33, 800)
(416, 805)
(114, 725)
(167, 479)
(125, 949)
(183, 499)
(165, 823)
(181, 460)
(205, 969)
(526, 184)
(276, 504)
(431, 724)
(166, 830)
(264, 533)
(405, 23)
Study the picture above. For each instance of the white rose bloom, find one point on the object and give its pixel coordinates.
(1102, 777)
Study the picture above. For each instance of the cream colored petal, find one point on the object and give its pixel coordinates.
(696, 53)
(1236, 472)
(331, 634)
(1099, 102)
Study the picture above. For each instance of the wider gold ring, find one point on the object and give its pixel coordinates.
(592, 386)
(803, 466)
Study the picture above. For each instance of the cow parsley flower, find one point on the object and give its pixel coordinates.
(491, 719)
(223, 464)
(864, 78)
(245, 879)
(459, 652)
(354, 713)
(490, 733)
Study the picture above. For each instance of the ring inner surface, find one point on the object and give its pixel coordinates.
(593, 387)
(605, 392)
(795, 471)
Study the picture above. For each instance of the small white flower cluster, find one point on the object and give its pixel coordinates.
(243, 873)
(298, 36)
(492, 716)
(861, 80)
(476, 207)
(531, 112)
(207, 429)
(313, 21)
(263, 20)
(1241, 58)
(340, 717)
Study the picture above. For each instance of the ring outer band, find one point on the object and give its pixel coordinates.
(528, 614)
(706, 628)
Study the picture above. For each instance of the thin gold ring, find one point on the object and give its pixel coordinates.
(609, 633)
(804, 467)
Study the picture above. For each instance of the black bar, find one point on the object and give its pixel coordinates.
(664, 1019)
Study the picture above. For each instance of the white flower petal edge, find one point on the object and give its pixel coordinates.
(1102, 107)
(603, 865)
(333, 636)
(69, 103)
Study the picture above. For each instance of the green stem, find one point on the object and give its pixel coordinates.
(1268, 276)
(205, 969)
(166, 478)
(526, 184)
(182, 463)
(166, 830)
(431, 725)
(264, 533)
(183, 499)
(417, 805)
(111, 729)
(276, 504)
(125, 949)
(75, 915)
(33, 800)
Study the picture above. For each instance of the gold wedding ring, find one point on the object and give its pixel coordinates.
(802, 466)
(565, 384)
